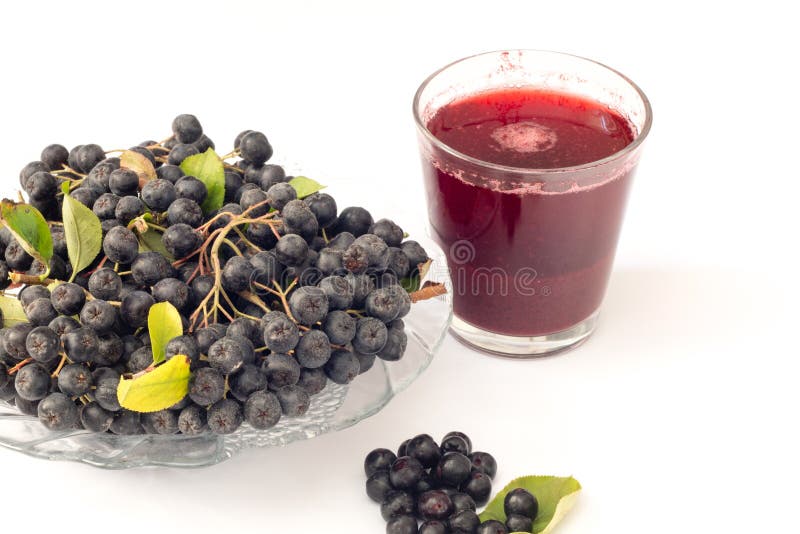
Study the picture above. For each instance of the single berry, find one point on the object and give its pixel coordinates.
(158, 194)
(462, 501)
(453, 468)
(135, 307)
(405, 473)
(120, 245)
(484, 462)
(371, 335)
(32, 382)
(43, 344)
(340, 327)
(75, 380)
(435, 504)
(388, 231)
(294, 400)
(262, 410)
(323, 206)
(280, 333)
(478, 486)
(378, 460)
(424, 449)
(180, 152)
(237, 274)
(456, 442)
(226, 355)
(397, 503)
(180, 240)
(521, 501)
(464, 522)
(403, 524)
(191, 188)
(99, 315)
(225, 416)
(355, 220)
(342, 367)
(186, 128)
(308, 305)
(58, 412)
(173, 291)
(150, 267)
(291, 249)
(313, 350)
(161, 422)
(95, 418)
(126, 423)
(519, 523)
(185, 211)
(378, 485)
(281, 369)
(192, 420)
(81, 344)
(255, 148)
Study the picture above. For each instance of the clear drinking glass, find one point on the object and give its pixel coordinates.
(529, 250)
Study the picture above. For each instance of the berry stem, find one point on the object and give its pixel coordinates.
(29, 279)
(19, 366)
(60, 365)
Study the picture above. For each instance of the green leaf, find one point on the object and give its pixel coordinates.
(164, 323)
(83, 234)
(305, 186)
(413, 282)
(29, 228)
(11, 311)
(556, 496)
(139, 164)
(157, 389)
(150, 240)
(208, 168)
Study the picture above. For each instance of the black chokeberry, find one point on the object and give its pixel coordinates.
(378, 485)
(521, 501)
(519, 523)
(397, 503)
(453, 468)
(425, 449)
(464, 522)
(378, 460)
(435, 504)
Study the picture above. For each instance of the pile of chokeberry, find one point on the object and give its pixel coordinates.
(441, 485)
(277, 294)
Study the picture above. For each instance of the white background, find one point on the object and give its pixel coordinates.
(679, 415)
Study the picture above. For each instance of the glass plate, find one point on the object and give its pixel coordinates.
(335, 408)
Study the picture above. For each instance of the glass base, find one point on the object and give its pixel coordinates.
(523, 346)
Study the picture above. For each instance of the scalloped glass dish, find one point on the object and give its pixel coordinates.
(335, 408)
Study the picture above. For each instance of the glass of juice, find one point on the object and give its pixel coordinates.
(528, 158)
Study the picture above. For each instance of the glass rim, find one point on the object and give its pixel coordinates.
(637, 141)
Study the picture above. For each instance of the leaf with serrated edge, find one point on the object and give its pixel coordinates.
(305, 186)
(12, 312)
(163, 323)
(139, 164)
(29, 228)
(83, 234)
(209, 169)
(150, 240)
(157, 389)
(556, 496)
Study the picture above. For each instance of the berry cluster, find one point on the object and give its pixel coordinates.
(440, 484)
(277, 294)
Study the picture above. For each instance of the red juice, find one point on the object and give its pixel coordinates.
(528, 256)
